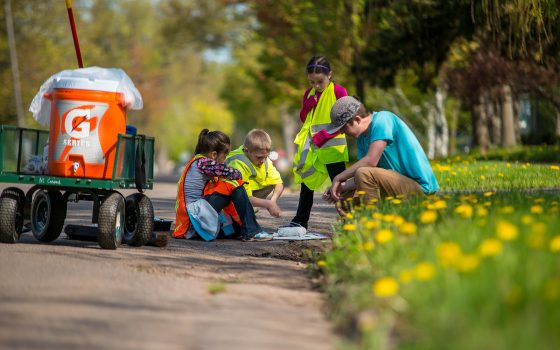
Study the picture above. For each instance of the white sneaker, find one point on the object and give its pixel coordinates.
(291, 231)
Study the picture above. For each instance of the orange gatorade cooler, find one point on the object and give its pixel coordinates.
(86, 117)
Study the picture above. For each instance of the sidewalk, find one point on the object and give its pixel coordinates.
(189, 295)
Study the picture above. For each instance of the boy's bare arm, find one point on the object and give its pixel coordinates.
(269, 205)
(278, 189)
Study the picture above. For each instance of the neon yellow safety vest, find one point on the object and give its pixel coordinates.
(257, 177)
(310, 160)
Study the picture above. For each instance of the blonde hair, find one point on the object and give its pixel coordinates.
(257, 140)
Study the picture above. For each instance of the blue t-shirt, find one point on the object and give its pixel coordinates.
(403, 153)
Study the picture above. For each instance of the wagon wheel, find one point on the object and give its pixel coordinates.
(111, 221)
(139, 220)
(48, 212)
(11, 214)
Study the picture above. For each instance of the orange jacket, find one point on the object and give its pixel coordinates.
(223, 186)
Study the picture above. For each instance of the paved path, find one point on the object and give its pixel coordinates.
(189, 295)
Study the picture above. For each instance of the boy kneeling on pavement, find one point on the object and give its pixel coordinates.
(251, 159)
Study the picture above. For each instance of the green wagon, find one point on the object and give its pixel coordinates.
(43, 207)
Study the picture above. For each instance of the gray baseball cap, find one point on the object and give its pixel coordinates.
(343, 110)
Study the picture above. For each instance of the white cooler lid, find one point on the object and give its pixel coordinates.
(85, 84)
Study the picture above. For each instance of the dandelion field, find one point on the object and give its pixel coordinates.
(454, 271)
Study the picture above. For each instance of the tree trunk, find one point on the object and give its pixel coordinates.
(431, 133)
(13, 61)
(480, 124)
(289, 130)
(453, 121)
(508, 127)
(495, 122)
(441, 129)
(164, 166)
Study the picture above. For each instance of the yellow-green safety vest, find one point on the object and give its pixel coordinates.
(310, 161)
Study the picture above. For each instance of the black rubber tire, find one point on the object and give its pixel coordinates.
(11, 214)
(48, 212)
(139, 220)
(111, 221)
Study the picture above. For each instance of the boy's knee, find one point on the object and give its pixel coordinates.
(364, 174)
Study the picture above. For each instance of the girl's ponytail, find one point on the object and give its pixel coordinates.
(209, 141)
(201, 141)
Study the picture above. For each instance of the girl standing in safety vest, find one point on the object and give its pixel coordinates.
(207, 187)
(319, 154)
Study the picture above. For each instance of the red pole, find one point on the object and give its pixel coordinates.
(74, 33)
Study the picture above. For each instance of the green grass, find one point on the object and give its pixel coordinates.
(457, 271)
(539, 154)
(469, 175)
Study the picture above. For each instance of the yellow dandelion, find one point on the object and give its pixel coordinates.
(555, 167)
(490, 247)
(468, 263)
(507, 209)
(482, 177)
(554, 244)
(388, 218)
(481, 211)
(408, 228)
(396, 201)
(349, 227)
(464, 210)
(370, 224)
(368, 246)
(384, 236)
(321, 263)
(487, 204)
(526, 219)
(424, 271)
(428, 216)
(441, 204)
(539, 200)
(377, 216)
(536, 209)
(360, 193)
(389, 198)
(448, 253)
(501, 174)
(508, 165)
(385, 287)
(349, 216)
(488, 194)
(405, 276)
(506, 231)
(399, 220)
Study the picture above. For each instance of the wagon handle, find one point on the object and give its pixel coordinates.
(74, 33)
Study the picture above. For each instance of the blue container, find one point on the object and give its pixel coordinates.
(131, 130)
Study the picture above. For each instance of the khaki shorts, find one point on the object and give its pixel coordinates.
(379, 183)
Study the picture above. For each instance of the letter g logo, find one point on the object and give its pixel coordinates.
(77, 123)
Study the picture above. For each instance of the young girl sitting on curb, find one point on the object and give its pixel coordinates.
(206, 188)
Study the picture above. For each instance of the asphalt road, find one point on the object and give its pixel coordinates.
(189, 295)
